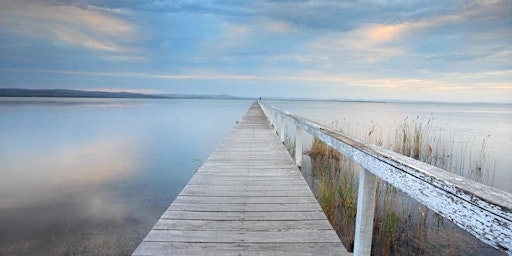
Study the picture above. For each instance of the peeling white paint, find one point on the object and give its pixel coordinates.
(483, 211)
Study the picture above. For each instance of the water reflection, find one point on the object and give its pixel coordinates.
(92, 176)
(32, 177)
(463, 125)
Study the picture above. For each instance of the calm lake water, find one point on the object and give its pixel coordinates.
(463, 125)
(92, 176)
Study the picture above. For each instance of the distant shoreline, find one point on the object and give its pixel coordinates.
(66, 93)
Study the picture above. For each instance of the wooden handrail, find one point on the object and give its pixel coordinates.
(483, 211)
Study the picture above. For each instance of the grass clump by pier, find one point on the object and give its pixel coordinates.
(289, 143)
(402, 226)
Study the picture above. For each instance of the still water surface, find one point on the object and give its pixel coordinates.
(92, 176)
(464, 126)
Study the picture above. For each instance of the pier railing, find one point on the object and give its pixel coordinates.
(483, 211)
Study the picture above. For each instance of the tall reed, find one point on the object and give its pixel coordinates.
(402, 226)
(289, 143)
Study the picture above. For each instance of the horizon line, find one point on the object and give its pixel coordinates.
(223, 96)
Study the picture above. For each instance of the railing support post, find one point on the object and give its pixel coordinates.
(298, 146)
(365, 213)
(275, 120)
(283, 128)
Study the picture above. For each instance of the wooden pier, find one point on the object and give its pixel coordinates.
(248, 198)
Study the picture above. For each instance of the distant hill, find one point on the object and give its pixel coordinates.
(202, 96)
(11, 92)
(14, 92)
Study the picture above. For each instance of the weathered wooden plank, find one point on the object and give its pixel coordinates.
(249, 147)
(237, 225)
(252, 161)
(241, 166)
(249, 174)
(244, 187)
(260, 216)
(236, 249)
(242, 148)
(244, 207)
(245, 178)
(274, 193)
(244, 174)
(245, 164)
(247, 198)
(244, 182)
(483, 211)
(254, 172)
(234, 157)
(219, 236)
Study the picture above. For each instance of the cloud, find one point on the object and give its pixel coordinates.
(217, 8)
(375, 41)
(493, 85)
(364, 44)
(340, 16)
(276, 26)
(239, 45)
(495, 79)
(392, 32)
(236, 32)
(338, 49)
(90, 28)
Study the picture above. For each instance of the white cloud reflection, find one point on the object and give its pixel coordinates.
(32, 177)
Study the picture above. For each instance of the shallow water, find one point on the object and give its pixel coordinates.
(418, 230)
(464, 125)
(92, 176)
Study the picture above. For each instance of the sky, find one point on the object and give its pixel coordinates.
(449, 50)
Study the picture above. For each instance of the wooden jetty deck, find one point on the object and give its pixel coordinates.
(248, 198)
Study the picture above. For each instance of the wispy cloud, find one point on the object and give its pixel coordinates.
(372, 42)
(366, 45)
(277, 26)
(498, 79)
(91, 28)
(381, 33)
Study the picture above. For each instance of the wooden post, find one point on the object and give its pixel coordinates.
(298, 146)
(269, 116)
(483, 211)
(275, 120)
(283, 128)
(365, 213)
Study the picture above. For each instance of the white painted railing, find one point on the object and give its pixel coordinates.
(483, 211)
